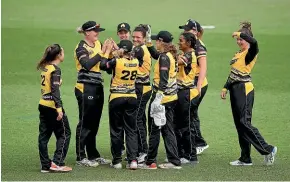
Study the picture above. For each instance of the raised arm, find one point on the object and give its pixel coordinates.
(154, 53)
(83, 57)
(253, 50)
(107, 65)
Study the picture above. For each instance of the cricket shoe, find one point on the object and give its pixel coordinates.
(56, 168)
(87, 163)
(142, 157)
(169, 166)
(102, 160)
(240, 163)
(151, 166)
(200, 150)
(133, 165)
(270, 158)
(116, 166)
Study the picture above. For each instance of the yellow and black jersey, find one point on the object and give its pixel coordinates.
(124, 76)
(88, 62)
(243, 62)
(50, 82)
(200, 51)
(186, 71)
(165, 71)
(144, 57)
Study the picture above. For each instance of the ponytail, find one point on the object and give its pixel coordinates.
(169, 47)
(80, 30)
(50, 54)
(121, 54)
(246, 27)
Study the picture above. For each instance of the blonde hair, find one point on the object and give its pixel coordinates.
(200, 33)
(122, 54)
(169, 47)
(80, 30)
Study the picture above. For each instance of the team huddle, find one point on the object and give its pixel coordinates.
(173, 98)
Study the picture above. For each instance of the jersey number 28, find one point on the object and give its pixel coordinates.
(129, 75)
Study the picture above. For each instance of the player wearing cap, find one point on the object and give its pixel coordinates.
(194, 27)
(241, 88)
(123, 104)
(123, 31)
(89, 93)
(163, 101)
(143, 87)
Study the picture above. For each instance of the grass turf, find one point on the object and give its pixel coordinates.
(28, 26)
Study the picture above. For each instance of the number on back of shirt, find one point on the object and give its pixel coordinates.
(42, 80)
(127, 75)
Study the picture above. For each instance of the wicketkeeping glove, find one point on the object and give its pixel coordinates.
(157, 110)
(148, 35)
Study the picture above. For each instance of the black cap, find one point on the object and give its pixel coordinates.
(191, 25)
(164, 36)
(123, 26)
(92, 25)
(127, 45)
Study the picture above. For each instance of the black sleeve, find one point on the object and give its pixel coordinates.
(188, 57)
(83, 57)
(227, 84)
(55, 83)
(110, 71)
(200, 50)
(139, 54)
(164, 66)
(107, 65)
(253, 50)
(154, 53)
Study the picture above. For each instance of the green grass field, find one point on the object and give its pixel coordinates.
(28, 26)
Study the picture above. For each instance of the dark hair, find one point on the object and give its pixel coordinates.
(189, 37)
(50, 54)
(246, 28)
(141, 28)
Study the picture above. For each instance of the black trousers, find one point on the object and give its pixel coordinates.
(199, 140)
(142, 99)
(61, 129)
(168, 134)
(122, 116)
(242, 100)
(90, 103)
(184, 124)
